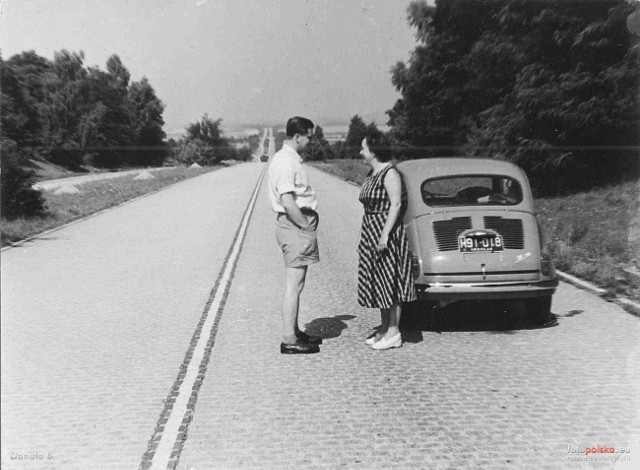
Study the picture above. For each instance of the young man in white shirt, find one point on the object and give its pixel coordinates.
(295, 202)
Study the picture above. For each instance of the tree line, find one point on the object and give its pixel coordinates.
(76, 116)
(550, 85)
(320, 149)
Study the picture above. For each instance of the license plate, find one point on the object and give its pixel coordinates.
(481, 242)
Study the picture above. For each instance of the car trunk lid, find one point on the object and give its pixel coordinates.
(515, 262)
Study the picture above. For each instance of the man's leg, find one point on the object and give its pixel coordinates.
(294, 283)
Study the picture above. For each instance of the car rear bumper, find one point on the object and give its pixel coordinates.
(486, 291)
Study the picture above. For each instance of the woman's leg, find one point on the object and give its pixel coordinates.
(384, 323)
(393, 320)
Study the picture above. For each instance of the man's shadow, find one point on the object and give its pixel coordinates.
(328, 327)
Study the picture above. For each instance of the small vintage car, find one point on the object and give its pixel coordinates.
(473, 234)
(264, 158)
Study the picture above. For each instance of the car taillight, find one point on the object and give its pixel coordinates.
(540, 235)
(546, 265)
(415, 266)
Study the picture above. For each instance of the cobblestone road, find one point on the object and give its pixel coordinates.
(97, 317)
(86, 369)
(483, 393)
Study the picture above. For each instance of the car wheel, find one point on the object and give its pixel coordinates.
(539, 309)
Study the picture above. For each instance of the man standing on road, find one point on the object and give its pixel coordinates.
(294, 200)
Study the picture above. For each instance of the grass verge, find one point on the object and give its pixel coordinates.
(94, 196)
(596, 235)
(593, 235)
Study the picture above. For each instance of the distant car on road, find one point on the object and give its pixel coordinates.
(264, 158)
(473, 234)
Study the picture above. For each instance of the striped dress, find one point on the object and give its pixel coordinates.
(385, 279)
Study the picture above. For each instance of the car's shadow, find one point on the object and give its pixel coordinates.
(498, 317)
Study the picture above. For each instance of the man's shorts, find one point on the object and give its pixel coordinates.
(299, 246)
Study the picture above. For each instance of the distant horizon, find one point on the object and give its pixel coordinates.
(380, 119)
(229, 128)
(247, 62)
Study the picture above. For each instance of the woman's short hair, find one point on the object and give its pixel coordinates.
(298, 125)
(380, 145)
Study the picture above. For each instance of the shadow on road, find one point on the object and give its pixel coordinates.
(571, 313)
(328, 327)
(497, 317)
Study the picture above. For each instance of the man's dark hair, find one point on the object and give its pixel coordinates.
(298, 125)
(380, 145)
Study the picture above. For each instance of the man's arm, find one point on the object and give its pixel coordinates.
(293, 211)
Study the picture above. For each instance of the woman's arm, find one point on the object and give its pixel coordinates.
(393, 185)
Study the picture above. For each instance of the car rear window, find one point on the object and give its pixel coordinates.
(471, 190)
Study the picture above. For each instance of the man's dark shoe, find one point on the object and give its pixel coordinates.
(309, 339)
(299, 347)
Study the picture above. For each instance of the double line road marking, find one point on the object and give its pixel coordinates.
(165, 445)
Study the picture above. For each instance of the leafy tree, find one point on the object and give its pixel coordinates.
(539, 82)
(91, 127)
(339, 150)
(31, 72)
(64, 97)
(19, 199)
(206, 131)
(72, 115)
(82, 115)
(15, 109)
(204, 144)
(192, 151)
(146, 116)
(17, 179)
(109, 106)
(118, 74)
(358, 130)
(318, 148)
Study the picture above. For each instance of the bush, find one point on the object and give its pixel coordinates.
(189, 152)
(17, 194)
(196, 151)
(218, 154)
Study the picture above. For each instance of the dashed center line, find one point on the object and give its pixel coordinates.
(165, 445)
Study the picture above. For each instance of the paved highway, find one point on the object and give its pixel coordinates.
(120, 331)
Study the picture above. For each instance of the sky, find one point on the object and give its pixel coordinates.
(245, 61)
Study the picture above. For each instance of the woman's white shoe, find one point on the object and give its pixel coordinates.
(371, 339)
(387, 343)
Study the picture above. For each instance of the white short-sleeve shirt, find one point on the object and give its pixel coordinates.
(286, 175)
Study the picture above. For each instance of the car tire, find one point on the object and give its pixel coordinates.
(539, 309)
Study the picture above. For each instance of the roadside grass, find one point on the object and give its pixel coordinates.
(94, 196)
(350, 170)
(593, 235)
(46, 170)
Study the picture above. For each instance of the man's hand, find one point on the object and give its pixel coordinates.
(293, 211)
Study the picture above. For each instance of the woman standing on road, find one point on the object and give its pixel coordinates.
(384, 268)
